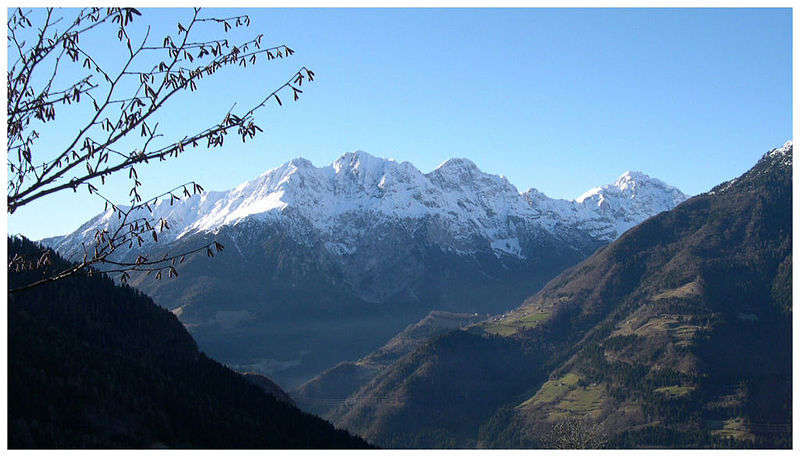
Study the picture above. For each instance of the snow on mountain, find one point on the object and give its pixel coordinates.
(608, 211)
(470, 204)
(783, 152)
(777, 157)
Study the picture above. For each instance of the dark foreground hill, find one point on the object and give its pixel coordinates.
(678, 334)
(96, 365)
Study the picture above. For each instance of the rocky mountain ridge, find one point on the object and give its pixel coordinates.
(477, 210)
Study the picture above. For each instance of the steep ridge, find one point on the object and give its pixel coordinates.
(326, 392)
(324, 264)
(678, 334)
(269, 387)
(95, 365)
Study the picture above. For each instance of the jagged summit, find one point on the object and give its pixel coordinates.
(628, 185)
(460, 164)
(469, 204)
(360, 160)
(300, 162)
(784, 152)
(634, 179)
(632, 175)
(786, 148)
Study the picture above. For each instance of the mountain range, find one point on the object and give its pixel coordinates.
(675, 332)
(324, 264)
(476, 210)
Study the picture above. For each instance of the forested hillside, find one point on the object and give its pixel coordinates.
(96, 365)
(678, 334)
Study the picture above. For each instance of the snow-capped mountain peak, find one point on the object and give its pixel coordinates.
(629, 185)
(458, 166)
(781, 151)
(359, 161)
(633, 197)
(465, 202)
(632, 179)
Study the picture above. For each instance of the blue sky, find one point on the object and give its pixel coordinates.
(558, 99)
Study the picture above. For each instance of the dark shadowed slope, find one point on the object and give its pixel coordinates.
(678, 334)
(326, 392)
(268, 386)
(92, 364)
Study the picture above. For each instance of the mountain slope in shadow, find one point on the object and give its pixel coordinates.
(96, 365)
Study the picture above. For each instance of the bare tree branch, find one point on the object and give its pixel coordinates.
(123, 103)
